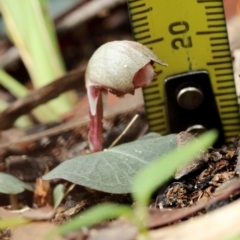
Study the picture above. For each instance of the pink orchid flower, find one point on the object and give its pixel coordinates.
(118, 67)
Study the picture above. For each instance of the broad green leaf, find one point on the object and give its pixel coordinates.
(58, 194)
(113, 170)
(12, 222)
(12, 185)
(150, 178)
(92, 216)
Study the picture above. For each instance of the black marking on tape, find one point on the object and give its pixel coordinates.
(225, 93)
(153, 41)
(150, 93)
(212, 7)
(143, 11)
(207, 1)
(229, 105)
(152, 118)
(151, 87)
(141, 25)
(159, 71)
(214, 13)
(132, 1)
(142, 31)
(224, 87)
(137, 6)
(155, 80)
(142, 38)
(218, 63)
(232, 131)
(209, 32)
(225, 68)
(230, 118)
(139, 19)
(230, 112)
(218, 38)
(224, 81)
(220, 50)
(224, 74)
(215, 19)
(218, 44)
(159, 116)
(158, 127)
(232, 124)
(216, 25)
(160, 110)
(153, 99)
(159, 123)
(152, 103)
(227, 99)
(221, 56)
(155, 111)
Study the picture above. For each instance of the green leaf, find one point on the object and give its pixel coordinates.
(113, 170)
(12, 185)
(31, 29)
(58, 194)
(150, 178)
(15, 87)
(92, 216)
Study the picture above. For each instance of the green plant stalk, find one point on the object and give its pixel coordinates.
(18, 90)
(12, 85)
(58, 195)
(21, 122)
(13, 222)
(31, 29)
(92, 216)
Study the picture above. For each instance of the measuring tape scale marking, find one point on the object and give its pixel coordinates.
(203, 30)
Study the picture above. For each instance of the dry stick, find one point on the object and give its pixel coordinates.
(124, 131)
(40, 96)
(69, 190)
(83, 121)
(49, 132)
(13, 201)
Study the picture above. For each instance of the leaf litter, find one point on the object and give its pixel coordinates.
(188, 195)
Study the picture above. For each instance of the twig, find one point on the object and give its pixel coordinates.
(40, 96)
(69, 190)
(83, 121)
(14, 201)
(124, 131)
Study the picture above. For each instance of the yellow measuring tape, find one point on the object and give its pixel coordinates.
(189, 35)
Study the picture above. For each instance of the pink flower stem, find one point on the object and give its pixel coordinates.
(96, 127)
